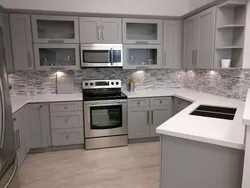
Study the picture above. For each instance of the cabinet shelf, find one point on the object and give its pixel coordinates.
(229, 47)
(231, 26)
(232, 4)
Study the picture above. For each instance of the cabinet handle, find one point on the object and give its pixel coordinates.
(102, 32)
(67, 137)
(65, 107)
(165, 58)
(40, 106)
(66, 120)
(152, 117)
(138, 103)
(56, 41)
(195, 57)
(18, 140)
(148, 117)
(29, 60)
(98, 32)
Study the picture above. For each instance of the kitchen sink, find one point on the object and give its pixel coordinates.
(215, 112)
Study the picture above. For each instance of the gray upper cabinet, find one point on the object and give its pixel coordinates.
(142, 31)
(207, 24)
(100, 30)
(199, 34)
(172, 56)
(57, 56)
(190, 41)
(21, 34)
(55, 29)
(39, 125)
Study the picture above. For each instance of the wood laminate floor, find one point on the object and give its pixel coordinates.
(135, 166)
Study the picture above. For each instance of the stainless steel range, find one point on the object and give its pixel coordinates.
(105, 114)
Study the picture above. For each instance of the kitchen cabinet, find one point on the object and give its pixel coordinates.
(146, 114)
(21, 35)
(142, 56)
(199, 35)
(66, 123)
(180, 104)
(172, 56)
(142, 31)
(55, 29)
(19, 136)
(57, 56)
(100, 30)
(39, 125)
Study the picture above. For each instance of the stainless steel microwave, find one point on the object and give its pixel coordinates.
(101, 55)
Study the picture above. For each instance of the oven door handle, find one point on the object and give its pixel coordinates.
(110, 103)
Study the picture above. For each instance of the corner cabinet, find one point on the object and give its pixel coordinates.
(39, 125)
(172, 56)
(57, 56)
(142, 31)
(142, 56)
(100, 30)
(199, 36)
(55, 29)
(20, 27)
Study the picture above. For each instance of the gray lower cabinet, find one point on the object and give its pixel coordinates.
(39, 125)
(146, 114)
(66, 123)
(20, 27)
(19, 131)
(180, 104)
(172, 57)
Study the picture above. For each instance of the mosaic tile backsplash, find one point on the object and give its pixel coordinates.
(229, 83)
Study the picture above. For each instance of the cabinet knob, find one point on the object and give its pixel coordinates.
(14, 119)
(67, 137)
(66, 120)
(65, 107)
(41, 106)
(138, 103)
(160, 102)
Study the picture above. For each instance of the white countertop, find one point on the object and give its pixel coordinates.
(18, 102)
(209, 130)
(246, 114)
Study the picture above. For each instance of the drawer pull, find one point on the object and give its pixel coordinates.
(67, 137)
(66, 120)
(160, 102)
(65, 107)
(138, 103)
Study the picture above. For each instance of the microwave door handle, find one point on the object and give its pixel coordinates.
(111, 56)
(2, 116)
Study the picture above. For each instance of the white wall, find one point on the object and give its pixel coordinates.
(140, 7)
(246, 58)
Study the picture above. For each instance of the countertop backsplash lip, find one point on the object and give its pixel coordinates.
(223, 82)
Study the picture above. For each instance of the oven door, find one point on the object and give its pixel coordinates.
(105, 118)
(101, 55)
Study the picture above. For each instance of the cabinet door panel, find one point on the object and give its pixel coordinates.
(22, 41)
(206, 39)
(138, 123)
(190, 41)
(90, 30)
(111, 30)
(159, 115)
(172, 44)
(38, 119)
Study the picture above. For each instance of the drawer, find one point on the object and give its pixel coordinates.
(62, 137)
(61, 120)
(162, 101)
(67, 106)
(139, 102)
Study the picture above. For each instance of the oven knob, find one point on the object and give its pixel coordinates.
(117, 83)
(112, 83)
(91, 84)
(86, 84)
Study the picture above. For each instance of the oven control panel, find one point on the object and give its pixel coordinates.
(98, 84)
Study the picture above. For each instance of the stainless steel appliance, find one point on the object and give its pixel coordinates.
(105, 114)
(101, 55)
(8, 161)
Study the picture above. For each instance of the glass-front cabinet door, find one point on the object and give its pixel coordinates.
(57, 56)
(142, 31)
(55, 29)
(142, 56)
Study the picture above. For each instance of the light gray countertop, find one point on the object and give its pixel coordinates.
(209, 130)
